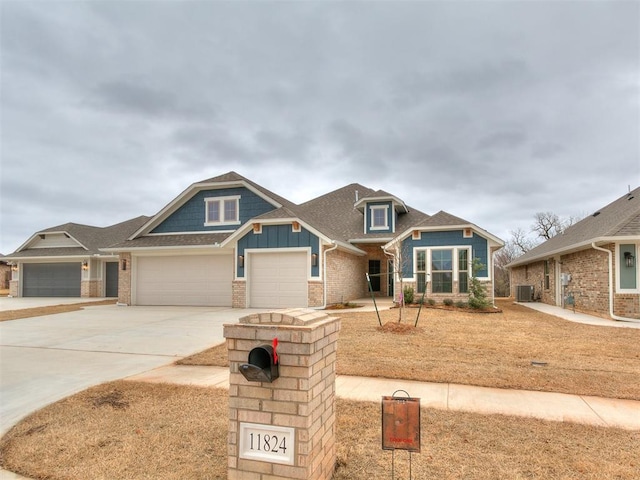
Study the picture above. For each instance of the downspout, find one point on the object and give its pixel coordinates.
(324, 275)
(611, 280)
(393, 274)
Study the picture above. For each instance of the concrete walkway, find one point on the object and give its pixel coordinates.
(559, 407)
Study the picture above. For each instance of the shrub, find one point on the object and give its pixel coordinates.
(448, 302)
(461, 304)
(431, 301)
(477, 294)
(408, 295)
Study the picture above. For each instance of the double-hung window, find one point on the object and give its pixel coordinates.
(439, 264)
(379, 218)
(442, 271)
(463, 271)
(222, 211)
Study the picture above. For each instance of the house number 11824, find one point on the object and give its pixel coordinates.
(267, 443)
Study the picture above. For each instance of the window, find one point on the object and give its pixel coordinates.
(421, 269)
(463, 271)
(546, 275)
(441, 271)
(222, 211)
(379, 218)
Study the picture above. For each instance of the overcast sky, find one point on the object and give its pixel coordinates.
(489, 110)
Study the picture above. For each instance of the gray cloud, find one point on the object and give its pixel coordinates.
(535, 107)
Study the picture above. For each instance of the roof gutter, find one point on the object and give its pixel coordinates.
(324, 274)
(610, 255)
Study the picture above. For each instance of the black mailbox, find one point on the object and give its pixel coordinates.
(262, 366)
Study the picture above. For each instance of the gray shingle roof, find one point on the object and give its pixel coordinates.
(620, 218)
(91, 238)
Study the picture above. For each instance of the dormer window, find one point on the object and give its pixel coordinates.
(222, 211)
(379, 217)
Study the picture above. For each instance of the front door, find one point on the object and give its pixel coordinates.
(374, 275)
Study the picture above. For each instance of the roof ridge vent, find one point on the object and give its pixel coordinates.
(596, 214)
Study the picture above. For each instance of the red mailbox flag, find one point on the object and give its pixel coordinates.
(275, 353)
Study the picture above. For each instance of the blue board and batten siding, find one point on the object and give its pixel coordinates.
(190, 217)
(454, 238)
(280, 236)
(391, 217)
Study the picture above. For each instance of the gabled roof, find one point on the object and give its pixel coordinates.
(617, 221)
(445, 221)
(89, 240)
(229, 179)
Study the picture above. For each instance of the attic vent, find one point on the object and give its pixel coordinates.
(631, 197)
(596, 214)
(468, 233)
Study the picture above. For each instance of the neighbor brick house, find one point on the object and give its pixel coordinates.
(592, 266)
(228, 241)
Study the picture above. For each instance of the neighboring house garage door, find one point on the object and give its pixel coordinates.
(278, 280)
(184, 280)
(51, 279)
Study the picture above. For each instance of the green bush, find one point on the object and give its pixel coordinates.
(461, 304)
(448, 302)
(431, 301)
(477, 294)
(408, 295)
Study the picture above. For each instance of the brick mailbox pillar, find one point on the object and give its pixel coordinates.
(285, 428)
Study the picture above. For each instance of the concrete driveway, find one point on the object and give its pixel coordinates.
(44, 359)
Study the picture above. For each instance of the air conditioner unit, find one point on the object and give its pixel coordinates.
(524, 293)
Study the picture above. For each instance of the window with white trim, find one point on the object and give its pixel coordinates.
(379, 217)
(222, 211)
(437, 264)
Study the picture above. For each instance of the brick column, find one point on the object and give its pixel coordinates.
(302, 399)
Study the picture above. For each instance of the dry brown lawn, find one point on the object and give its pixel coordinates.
(129, 430)
(50, 310)
(492, 350)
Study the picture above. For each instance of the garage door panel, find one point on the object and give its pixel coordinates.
(51, 279)
(278, 280)
(186, 280)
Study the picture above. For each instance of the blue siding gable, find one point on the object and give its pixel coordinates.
(190, 217)
(453, 238)
(279, 236)
(368, 220)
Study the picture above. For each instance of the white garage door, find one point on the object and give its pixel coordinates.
(278, 280)
(204, 280)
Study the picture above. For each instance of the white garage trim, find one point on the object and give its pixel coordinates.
(278, 278)
(192, 280)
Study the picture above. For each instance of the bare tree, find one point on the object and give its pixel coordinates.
(521, 242)
(502, 258)
(547, 225)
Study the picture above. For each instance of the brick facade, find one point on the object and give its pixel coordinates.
(302, 398)
(346, 278)
(124, 279)
(589, 285)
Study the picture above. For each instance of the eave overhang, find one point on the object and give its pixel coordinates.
(576, 247)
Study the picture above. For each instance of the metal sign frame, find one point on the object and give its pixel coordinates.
(401, 423)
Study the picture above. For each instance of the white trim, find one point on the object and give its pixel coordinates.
(204, 232)
(221, 202)
(372, 210)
